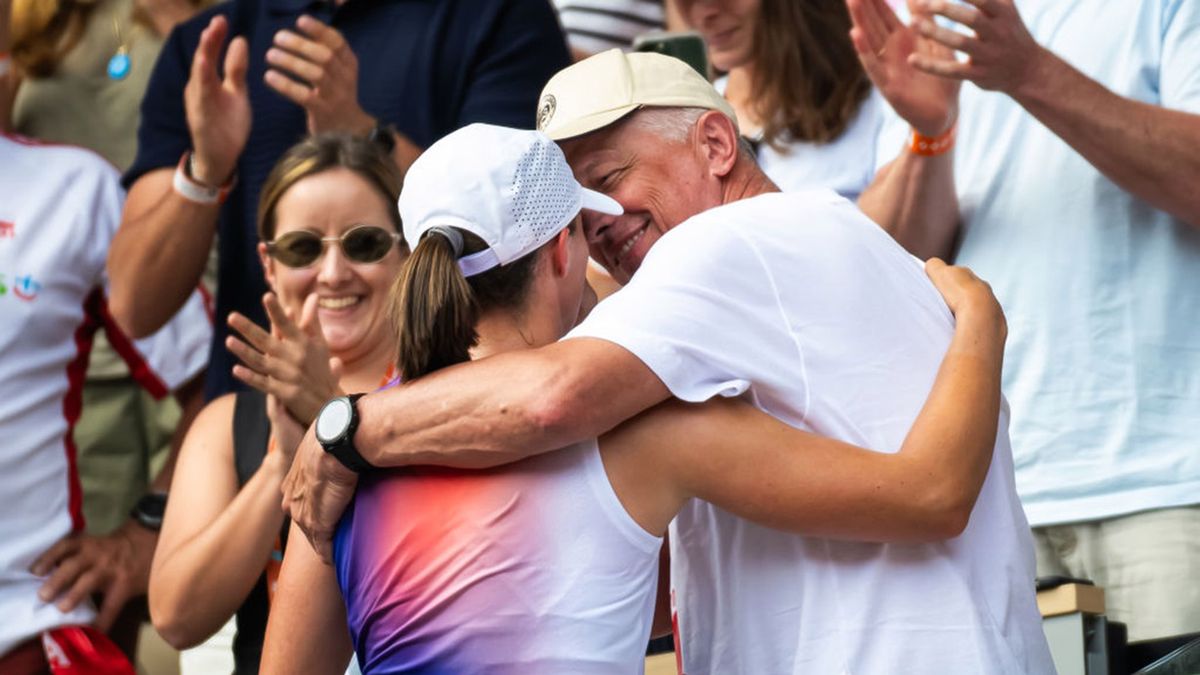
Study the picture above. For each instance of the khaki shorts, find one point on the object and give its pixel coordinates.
(123, 436)
(1148, 564)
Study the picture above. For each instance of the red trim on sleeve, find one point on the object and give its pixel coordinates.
(210, 304)
(73, 401)
(141, 371)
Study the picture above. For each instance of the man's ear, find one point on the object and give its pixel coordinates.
(717, 138)
(560, 252)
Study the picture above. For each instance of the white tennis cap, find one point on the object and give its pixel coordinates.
(510, 187)
(602, 89)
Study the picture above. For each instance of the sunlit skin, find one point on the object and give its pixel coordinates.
(727, 27)
(659, 184)
(351, 297)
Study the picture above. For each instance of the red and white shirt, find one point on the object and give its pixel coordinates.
(59, 209)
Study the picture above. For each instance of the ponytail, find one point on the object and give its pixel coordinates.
(435, 309)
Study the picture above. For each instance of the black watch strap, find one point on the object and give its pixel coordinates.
(383, 135)
(149, 510)
(343, 449)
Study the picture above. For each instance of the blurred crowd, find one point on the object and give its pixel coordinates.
(199, 240)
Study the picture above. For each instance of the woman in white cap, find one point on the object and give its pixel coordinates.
(550, 564)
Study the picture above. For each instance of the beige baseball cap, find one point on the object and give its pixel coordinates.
(602, 89)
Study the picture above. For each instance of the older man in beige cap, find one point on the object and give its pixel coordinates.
(797, 302)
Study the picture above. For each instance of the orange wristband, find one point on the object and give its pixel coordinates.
(932, 146)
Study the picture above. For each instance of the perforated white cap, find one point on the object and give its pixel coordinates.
(512, 188)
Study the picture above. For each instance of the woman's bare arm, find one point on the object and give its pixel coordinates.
(749, 463)
(306, 631)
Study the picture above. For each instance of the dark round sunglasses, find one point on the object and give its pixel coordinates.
(362, 244)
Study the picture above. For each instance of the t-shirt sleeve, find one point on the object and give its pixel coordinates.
(1179, 72)
(170, 357)
(524, 48)
(701, 312)
(163, 134)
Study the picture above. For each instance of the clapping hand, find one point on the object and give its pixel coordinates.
(891, 52)
(315, 68)
(218, 108)
(291, 363)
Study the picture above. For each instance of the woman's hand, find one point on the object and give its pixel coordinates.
(967, 296)
(291, 363)
(286, 431)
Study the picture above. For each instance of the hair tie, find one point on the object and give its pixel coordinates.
(452, 235)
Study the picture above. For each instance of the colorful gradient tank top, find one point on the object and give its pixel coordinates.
(530, 568)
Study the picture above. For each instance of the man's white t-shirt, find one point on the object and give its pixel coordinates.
(59, 209)
(804, 306)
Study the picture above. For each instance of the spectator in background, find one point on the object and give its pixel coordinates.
(59, 209)
(1078, 151)
(593, 26)
(80, 68)
(402, 73)
(221, 543)
(801, 97)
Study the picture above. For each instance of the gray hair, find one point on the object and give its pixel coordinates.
(674, 124)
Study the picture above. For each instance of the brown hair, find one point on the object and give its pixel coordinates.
(808, 83)
(435, 308)
(321, 153)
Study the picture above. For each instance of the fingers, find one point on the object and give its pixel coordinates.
(253, 379)
(944, 36)
(253, 358)
(310, 323)
(90, 582)
(64, 548)
(65, 576)
(866, 17)
(237, 60)
(208, 52)
(970, 17)
(252, 332)
(288, 88)
(114, 601)
(280, 318)
(321, 32)
(301, 68)
(941, 66)
(313, 51)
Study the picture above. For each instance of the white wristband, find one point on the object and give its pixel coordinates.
(5, 64)
(196, 192)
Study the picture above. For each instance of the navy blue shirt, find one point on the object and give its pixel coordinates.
(426, 66)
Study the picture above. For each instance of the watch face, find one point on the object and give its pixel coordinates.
(333, 420)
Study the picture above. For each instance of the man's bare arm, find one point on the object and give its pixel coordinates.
(1148, 150)
(162, 244)
(480, 414)
(507, 407)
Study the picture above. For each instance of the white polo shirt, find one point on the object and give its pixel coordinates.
(808, 309)
(59, 209)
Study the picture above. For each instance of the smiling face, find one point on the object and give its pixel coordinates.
(659, 182)
(351, 297)
(727, 27)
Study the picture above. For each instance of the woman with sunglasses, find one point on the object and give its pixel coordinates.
(331, 248)
(549, 565)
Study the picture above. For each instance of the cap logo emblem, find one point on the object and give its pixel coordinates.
(546, 111)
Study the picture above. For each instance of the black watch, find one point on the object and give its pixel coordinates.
(335, 427)
(383, 135)
(149, 510)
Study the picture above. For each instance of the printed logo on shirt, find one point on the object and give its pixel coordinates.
(7, 230)
(24, 287)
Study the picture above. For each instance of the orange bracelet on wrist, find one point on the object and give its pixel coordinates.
(932, 146)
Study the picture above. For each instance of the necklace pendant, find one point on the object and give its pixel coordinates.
(119, 64)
